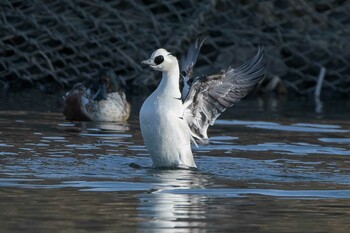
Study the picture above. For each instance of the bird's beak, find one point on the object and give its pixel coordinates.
(149, 62)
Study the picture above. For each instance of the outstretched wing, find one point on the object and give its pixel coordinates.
(209, 96)
(187, 64)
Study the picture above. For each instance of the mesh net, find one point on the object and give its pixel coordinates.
(68, 41)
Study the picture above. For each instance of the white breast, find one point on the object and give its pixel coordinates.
(165, 133)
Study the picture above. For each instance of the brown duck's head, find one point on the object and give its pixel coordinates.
(107, 82)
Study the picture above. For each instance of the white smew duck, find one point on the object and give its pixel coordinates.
(181, 109)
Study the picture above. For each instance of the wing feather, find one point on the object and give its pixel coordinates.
(209, 96)
(187, 64)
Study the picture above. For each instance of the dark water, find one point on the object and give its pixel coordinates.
(272, 166)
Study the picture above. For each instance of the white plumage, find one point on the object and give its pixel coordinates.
(166, 134)
(173, 115)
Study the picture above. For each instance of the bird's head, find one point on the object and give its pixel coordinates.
(161, 60)
(109, 80)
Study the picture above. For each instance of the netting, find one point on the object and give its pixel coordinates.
(64, 42)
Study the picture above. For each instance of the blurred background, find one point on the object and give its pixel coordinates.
(50, 45)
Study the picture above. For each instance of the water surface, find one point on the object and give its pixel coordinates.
(271, 166)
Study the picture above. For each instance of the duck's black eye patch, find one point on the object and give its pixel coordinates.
(158, 59)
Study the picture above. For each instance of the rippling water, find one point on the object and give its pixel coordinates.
(271, 166)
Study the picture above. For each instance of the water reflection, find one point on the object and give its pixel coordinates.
(296, 148)
(298, 127)
(266, 170)
(166, 211)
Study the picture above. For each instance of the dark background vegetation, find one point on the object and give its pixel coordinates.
(50, 45)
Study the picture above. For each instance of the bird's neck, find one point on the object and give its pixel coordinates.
(170, 82)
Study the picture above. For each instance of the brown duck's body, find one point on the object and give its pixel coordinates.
(104, 101)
